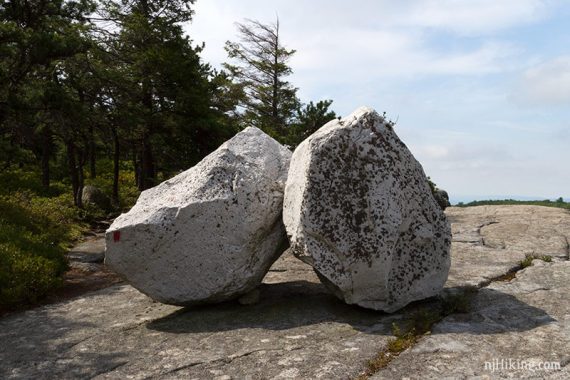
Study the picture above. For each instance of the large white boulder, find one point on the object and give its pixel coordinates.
(211, 233)
(359, 209)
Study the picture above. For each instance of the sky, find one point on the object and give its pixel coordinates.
(479, 89)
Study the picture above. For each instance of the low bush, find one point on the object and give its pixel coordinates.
(128, 191)
(36, 229)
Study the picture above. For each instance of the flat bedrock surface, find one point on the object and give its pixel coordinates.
(299, 330)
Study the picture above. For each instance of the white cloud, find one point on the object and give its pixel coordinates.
(378, 38)
(429, 62)
(435, 152)
(547, 84)
(461, 155)
(476, 17)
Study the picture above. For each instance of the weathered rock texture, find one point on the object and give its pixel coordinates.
(442, 198)
(299, 331)
(93, 195)
(210, 233)
(489, 241)
(517, 328)
(358, 208)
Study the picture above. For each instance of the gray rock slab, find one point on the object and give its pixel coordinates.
(513, 326)
(298, 330)
(525, 320)
(489, 241)
(92, 250)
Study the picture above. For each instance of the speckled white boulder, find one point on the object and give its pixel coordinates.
(358, 208)
(211, 233)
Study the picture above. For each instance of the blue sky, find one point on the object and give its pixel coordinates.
(480, 89)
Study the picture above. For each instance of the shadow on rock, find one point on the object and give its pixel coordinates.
(45, 343)
(293, 304)
(282, 306)
(494, 312)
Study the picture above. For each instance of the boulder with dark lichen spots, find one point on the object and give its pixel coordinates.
(359, 209)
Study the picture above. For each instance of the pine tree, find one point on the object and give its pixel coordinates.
(161, 84)
(37, 40)
(269, 101)
(308, 119)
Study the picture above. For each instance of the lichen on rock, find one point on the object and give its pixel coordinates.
(358, 208)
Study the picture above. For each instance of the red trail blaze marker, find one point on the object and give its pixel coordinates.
(116, 236)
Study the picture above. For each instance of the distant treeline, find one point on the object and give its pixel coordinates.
(557, 203)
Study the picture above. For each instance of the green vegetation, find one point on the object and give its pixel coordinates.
(527, 262)
(548, 203)
(458, 302)
(82, 80)
(37, 226)
(115, 94)
(258, 81)
(410, 331)
(35, 230)
(546, 258)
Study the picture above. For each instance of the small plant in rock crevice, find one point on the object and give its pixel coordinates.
(527, 262)
(546, 258)
(419, 324)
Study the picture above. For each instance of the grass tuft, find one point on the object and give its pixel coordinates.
(527, 262)
(419, 324)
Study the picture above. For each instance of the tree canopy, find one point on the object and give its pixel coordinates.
(261, 70)
(86, 80)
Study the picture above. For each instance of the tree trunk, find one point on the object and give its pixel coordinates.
(147, 173)
(46, 151)
(82, 158)
(136, 166)
(92, 160)
(116, 157)
(72, 163)
(275, 85)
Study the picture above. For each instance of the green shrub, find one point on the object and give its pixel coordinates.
(547, 203)
(546, 258)
(459, 302)
(35, 232)
(25, 278)
(527, 262)
(15, 180)
(37, 226)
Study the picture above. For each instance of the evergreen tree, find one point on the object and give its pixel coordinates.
(162, 86)
(269, 101)
(37, 39)
(309, 118)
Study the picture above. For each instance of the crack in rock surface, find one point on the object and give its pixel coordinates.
(298, 330)
(512, 326)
